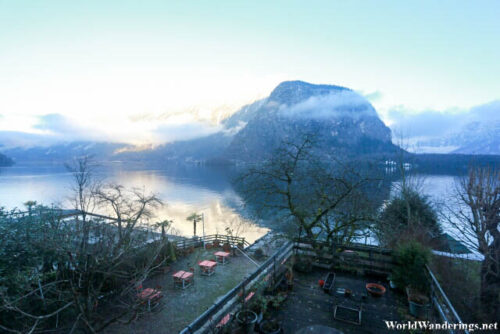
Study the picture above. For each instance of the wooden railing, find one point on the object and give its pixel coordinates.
(351, 256)
(368, 258)
(378, 260)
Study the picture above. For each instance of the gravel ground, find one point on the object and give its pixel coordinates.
(179, 307)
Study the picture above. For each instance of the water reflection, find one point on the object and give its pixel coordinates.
(184, 189)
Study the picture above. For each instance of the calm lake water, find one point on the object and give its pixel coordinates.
(184, 189)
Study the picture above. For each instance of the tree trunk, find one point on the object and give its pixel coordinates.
(490, 283)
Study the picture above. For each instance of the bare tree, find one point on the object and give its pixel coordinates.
(85, 288)
(129, 207)
(318, 196)
(408, 214)
(83, 188)
(475, 213)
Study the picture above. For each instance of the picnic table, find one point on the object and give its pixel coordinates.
(221, 257)
(207, 267)
(149, 295)
(183, 278)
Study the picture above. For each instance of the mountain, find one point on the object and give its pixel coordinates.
(5, 161)
(476, 137)
(60, 153)
(342, 121)
(476, 131)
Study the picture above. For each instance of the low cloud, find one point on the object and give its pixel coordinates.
(342, 104)
(434, 124)
(174, 132)
(58, 124)
(55, 128)
(373, 96)
(426, 123)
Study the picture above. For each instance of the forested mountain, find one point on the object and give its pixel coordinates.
(342, 121)
(5, 160)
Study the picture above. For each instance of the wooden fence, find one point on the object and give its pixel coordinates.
(371, 259)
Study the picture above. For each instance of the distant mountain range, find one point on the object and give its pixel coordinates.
(476, 131)
(476, 137)
(343, 123)
(60, 153)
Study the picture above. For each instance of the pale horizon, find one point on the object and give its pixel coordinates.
(157, 72)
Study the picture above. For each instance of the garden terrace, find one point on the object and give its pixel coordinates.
(307, 303)
(179, 307)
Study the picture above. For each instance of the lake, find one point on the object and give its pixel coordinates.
(183, 188)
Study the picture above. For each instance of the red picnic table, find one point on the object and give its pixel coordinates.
(221, 257)
(183, 278)
(207, 267)
(149, 295)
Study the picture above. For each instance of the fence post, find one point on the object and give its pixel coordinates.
(274, 270)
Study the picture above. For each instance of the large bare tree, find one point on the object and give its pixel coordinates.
(66, 286)
(475, 213)
(324, 197)
(128, 206)
(83, 187)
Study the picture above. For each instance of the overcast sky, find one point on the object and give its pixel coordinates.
(150, 71)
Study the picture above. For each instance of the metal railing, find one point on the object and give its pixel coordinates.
(233, 241)
(211, 315)
(442, 304)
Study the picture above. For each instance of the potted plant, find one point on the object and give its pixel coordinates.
(418, 302)
(270, 327)
(259, 254)
(276, 300)
(259, 306)
(411, 259)
(246, 319)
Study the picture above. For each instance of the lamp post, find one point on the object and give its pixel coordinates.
(203, 220)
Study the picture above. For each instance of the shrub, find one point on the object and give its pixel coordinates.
(411, 258)
(411, 214)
